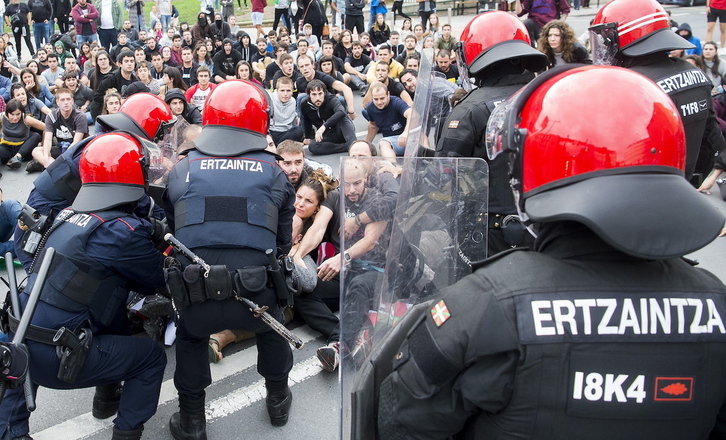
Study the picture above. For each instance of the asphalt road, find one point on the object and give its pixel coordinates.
(235, 400)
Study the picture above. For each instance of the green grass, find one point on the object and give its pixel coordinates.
(188, 10)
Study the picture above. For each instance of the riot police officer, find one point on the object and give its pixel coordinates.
(636, 34)
(602, 331)
(495, 50)
(142, 114)
(230, 202)
(102, 251)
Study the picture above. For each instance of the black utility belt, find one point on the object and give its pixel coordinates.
(194, 285)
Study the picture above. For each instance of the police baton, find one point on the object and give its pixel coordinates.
(257, 311)
(27, 316)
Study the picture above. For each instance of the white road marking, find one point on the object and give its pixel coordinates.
(85, 425)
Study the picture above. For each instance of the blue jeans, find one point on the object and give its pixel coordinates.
(165, 19)
(107, 38)
(80, 39)
(41, 32)
(140, 26)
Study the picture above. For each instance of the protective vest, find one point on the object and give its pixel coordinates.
(226, 201)
(596, 349)
(690, 90)
(462, 135)
(61, 181)
(77, 283)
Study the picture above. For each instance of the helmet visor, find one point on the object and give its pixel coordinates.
(604, 43)
(464, 69)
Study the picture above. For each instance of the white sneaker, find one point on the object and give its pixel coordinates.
(329, 356)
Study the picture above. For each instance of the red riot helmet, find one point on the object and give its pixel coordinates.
(143, 114)
(240, 104)
(496, 36)
(621, 174)
(632, 28)
(113, 171)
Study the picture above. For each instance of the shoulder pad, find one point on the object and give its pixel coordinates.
(485, 262)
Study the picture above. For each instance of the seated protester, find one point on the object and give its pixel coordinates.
(197, 94)
(303, 48)
(225, 61)
(53, 72)
(176, 50)
(221, 29)
(132, 35)
(166, 57)
(111, 104)
(326, 49)
(140, 41)
(188, 68)
(157, 66)
(409, 44)
(344, 46)
(441, 94)
(357, 65)
(144, 75)
(151, 47)
(274, 67)
(118, 80)
(390, 116)
(288, 70)
(397, 48)
(82, 95)
(69, 66)
(444, 66)
(140, 56)
(285, 123)
(32, 85)
(395, 88)
(8, 69)
(244, 71)
(172, 80)
(380, 32)
(384, 56)
(327, 129)
(243, 45)
(60, 50)
(412, 62)
(5, 85)
(271, 41)
(66, 124)
(368, 49)
(446, 40)
(188, 39)
(18, 140)
(326, 65)
(179, 106)
(232, 22)
(85, 53)
(104, 67)
(308, 73)
(123, 44)
(311, 38)
(41, 57)
(167, 38)
(261, 59)
(34, 109)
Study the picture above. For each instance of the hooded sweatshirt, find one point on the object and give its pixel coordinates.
(688, 35)
(190, 113)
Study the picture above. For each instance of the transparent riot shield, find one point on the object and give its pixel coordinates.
(430, 108)
(423, 246)
(161, 163)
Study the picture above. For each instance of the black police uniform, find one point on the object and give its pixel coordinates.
(690, 90)
(463, 135)
(99, 258)
(591, 343)
(228, 209)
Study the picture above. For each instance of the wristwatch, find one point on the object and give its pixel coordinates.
(346, 258)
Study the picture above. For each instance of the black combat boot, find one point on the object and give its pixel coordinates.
(189, 423)
(134, 434)
(106, 400)
(279, 400)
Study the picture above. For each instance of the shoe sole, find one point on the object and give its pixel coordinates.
(282, 421)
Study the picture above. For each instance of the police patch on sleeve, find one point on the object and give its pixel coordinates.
(440, 313)
(454, 124)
